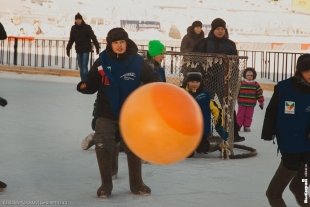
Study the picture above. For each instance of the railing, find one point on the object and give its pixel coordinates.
(31, 52)
(279, 65)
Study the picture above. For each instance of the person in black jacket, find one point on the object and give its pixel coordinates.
(117, 72)
(3, 103)
(287, 119)
(218, 42)
(3, 35)
(193, 36)
(189, 41)
(82, 34)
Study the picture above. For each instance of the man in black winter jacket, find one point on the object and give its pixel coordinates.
(82, 34)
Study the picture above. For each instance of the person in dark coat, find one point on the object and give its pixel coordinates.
(3, 103)
(117, 72)
(3, 34)
(82, 34)
(193, 36)
(287, 119)
(218, 42)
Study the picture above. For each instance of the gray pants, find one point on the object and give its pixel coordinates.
(105, 133)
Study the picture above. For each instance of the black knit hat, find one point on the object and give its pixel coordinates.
(78, 16)
(116, 34)
(193, 76)
(303, 62)
(218, 22)
(196, 24)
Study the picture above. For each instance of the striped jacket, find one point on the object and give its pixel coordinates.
(250, 92)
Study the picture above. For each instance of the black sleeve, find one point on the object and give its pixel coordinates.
(71, 39)
(147, 74)
(3, 35)
(94, 80)
(184, 44)
(235, 51)
(201, 46)
(94, 38)
(269, 125)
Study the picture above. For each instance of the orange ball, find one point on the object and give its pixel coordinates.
(161, 123)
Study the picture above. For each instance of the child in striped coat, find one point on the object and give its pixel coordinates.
(250, 92)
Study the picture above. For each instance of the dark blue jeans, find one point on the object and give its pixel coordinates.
(83, 59)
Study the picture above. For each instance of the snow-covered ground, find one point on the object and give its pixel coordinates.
(41, 159)
(247, 20)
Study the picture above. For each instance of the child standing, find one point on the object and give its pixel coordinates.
(288, 119)
(250, 92)
(208, 107)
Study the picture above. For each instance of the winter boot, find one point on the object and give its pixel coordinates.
(135, 179)
(297, 187)
(247, 129)
(88, 142)
(237, 137)
(214, 143)
(2, 186)
(278, 184)
(105, 167)
(115, 153)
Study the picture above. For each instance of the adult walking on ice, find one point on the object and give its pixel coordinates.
(82, 34)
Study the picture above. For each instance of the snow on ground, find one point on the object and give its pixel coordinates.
(41, 159)
(266, 21)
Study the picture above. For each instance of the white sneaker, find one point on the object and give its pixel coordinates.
(88, 141)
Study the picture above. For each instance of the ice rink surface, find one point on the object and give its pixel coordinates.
(41, 160)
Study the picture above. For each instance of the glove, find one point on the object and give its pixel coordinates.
(81, 87)
(261, 106)
(3, 102)
(221, 131)
(97, 51)
(68, 52)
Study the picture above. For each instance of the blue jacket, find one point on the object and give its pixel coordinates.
(288, 117)
(203, 99)
(293, 119)
(157, 69)
(114, 78)
(123, 76)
